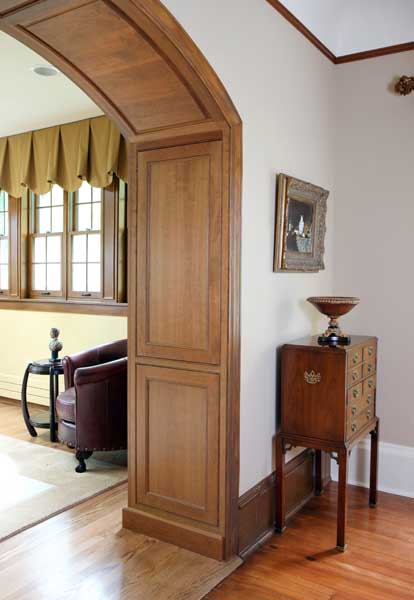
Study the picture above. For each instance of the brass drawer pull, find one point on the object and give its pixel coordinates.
(369, 398)
(355, 359)
(354, 427)
(370, 384)
(354, 409)
(311, 377)
(369, 414)
(370, 368)
(354, 375)
(370, 351)
(355, 393)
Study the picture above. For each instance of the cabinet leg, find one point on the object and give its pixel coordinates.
(280, 486)
(373, 475)
(25, 409)
(342, 500)
(318, 472)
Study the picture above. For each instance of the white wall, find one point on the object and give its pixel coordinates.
(284, 90)
(374, 234)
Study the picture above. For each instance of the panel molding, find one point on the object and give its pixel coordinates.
(151, 228)
(178, 420)
(257, 505)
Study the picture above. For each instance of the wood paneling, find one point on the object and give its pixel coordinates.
(178, 442)
(129, 70)
(257, 506)
(136, 62)
(179, 253)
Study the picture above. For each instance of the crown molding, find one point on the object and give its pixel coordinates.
(337, 60)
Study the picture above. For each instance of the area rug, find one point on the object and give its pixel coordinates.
(37, 482)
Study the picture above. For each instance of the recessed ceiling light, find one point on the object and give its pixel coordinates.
(45, 71)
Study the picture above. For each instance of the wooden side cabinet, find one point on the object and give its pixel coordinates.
(328, 404)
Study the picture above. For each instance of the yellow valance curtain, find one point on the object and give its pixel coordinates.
(92, 150)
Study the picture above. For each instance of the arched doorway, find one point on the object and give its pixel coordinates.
(137, 63)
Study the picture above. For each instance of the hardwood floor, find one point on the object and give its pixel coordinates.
(302, 564)
(99, 560)
(12, 424)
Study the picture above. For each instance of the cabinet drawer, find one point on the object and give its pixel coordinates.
(369, 367)
(355, 357)
(369, 385)
(369, 351)
(354, 375)
(359, 401)
(356, 424)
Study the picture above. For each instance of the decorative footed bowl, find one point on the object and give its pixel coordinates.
(334, 307)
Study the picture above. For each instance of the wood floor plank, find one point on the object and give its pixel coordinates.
(84, 554)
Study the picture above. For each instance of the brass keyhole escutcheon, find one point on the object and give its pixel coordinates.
(355, 359)
(355, 393)
(312, 377)
(369, 398)
(355, 375)
(370, 384)
(369, 414)
(354, 409)
(354, 427)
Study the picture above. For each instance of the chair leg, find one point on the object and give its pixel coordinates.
(81, 456)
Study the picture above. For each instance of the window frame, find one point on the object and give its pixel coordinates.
(33, 234)
(5, 291)
(111, 300)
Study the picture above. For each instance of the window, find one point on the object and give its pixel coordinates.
(86, 243)
(65, 247)
(47, 243)
(4, 242)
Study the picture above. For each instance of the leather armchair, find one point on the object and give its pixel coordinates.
(92, 411)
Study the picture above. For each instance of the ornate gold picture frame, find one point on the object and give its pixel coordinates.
(300, 226)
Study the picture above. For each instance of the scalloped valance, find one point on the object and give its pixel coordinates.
(92, 150)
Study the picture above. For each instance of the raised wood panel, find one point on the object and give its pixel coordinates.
(179, 253)
(178, 442)
(129, 69)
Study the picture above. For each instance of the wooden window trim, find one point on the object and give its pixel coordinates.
(65, 306)
(111, 300)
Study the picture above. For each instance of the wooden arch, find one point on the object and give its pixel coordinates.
(138, 64)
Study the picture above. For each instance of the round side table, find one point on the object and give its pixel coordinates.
(43, 420)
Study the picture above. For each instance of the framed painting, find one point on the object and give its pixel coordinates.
(300, 226)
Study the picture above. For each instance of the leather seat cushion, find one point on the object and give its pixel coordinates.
(65, 405)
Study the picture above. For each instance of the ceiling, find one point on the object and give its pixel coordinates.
(28, 101)
(349, 26)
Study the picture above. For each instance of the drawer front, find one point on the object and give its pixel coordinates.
(355, 357)
(354, 375)
(369, 367)
(369, 351)
(356, 424)
(359, 398)
(369, 386)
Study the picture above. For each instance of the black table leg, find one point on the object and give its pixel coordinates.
(53, 394)
(25, 409)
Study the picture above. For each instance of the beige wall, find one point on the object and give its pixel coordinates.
(374, 233)
(25, 337)
(283, 88)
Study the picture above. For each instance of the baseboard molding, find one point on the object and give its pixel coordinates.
(186, 536)
(257, 505)
(395, 471)
(37, 389)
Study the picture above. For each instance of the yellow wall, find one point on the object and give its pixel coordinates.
(24, 336)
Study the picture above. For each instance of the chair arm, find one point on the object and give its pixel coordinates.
(101, 406)
(97, 373)
(77, 361)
